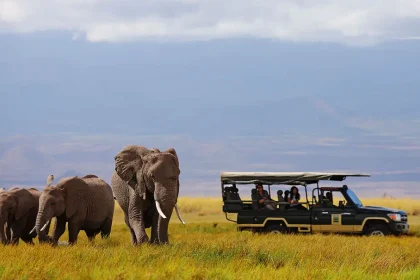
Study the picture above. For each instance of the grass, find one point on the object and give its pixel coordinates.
(208, 247)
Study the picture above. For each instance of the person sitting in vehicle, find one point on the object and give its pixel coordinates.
(328, 201)
(294, 198)
(264, 200)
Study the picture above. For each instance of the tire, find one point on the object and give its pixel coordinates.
(276, 229)
(378, 230)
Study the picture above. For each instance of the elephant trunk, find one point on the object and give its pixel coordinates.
(3, 238)
(40, 226)
(166, 207)
(163, 229)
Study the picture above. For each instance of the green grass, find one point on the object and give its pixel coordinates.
(210, 248)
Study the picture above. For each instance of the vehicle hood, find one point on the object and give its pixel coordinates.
(378, 209)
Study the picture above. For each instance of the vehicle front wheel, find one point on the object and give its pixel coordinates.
(378, 230)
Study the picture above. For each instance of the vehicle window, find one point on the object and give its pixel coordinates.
(337, 197)
(332, 199)
(354, 198)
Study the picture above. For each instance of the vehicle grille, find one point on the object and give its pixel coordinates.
(404, 219)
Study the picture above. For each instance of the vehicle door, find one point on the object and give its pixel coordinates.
(333, 216)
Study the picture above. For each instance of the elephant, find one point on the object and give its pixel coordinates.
(84, 203)
(146, 186)
(18, 209)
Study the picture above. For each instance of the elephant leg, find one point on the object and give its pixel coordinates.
(74, 228)
(59, 229)
(28, 240)
(136, 219)
(139, 230)
(91, 234)
(137, 224)
(16, 230)
(133, 235)
(106, 228)
(155, 237)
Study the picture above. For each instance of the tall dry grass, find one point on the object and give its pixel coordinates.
(411, 206)
(207, 252)
(207, 248)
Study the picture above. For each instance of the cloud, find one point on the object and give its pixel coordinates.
(324, 107)
(350, 22)
(331, 141)
(10, 12)
(406, 128)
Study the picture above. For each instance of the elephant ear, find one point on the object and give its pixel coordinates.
(173, 152)
(24, 202)
(74, 189)
(127, 162)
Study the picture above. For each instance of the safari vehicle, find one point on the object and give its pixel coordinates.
(341, 212)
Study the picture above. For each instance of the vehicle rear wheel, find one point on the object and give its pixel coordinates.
(378, 230)
(276, 229)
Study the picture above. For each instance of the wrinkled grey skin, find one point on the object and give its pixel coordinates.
(83, 203)
(138, 172)
(18, 210)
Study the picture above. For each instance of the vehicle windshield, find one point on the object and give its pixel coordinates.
(354, 198)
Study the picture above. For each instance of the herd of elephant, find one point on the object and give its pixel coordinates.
(145, 183)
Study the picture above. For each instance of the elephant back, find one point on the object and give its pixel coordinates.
(89, 176)
(35, 193)
(93, 192)
(25, 199)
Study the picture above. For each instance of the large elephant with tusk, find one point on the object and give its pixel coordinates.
(18, 210)
(146, 186)
(83, 203)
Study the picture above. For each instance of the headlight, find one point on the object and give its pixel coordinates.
(395, 217)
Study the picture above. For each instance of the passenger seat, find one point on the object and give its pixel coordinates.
(232, 201)
(281, 199)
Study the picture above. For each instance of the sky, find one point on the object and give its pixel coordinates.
(231, 85)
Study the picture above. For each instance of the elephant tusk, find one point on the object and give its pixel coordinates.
(160, 210)
(179, 215)
(32, 231)
(45, 226)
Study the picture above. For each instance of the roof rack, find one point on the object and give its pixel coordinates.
(283, 178)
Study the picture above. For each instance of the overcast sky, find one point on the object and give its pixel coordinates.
(231, 85)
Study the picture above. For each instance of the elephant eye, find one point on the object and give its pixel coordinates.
(52, 204)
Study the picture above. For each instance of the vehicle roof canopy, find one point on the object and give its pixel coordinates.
(283, 178)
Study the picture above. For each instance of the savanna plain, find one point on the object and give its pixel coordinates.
(209, 247)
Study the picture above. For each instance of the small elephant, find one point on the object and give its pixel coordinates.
(146, 186)
(18, 209)
(84, 203)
